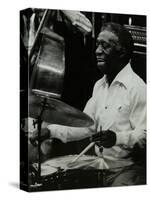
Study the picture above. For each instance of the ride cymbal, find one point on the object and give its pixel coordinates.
(57, 112)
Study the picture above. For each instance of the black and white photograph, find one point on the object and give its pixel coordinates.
(82, 99)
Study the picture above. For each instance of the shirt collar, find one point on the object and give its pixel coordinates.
(124, 77)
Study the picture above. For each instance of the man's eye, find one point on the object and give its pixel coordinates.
(105, 45)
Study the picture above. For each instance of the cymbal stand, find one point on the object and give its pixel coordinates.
(39, 126)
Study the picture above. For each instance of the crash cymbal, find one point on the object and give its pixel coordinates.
(57, 112)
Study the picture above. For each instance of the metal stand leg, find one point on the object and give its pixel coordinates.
(39, 124)
(39, 121)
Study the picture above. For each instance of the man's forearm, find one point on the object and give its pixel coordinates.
(68, 134)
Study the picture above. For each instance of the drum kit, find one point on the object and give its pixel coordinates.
(70, 171)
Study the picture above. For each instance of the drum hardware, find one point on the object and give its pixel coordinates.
(39, 124)
(56, 176)
(51, 110)
(54, 111)
(54, 173)
(87, 172)
(71, 171)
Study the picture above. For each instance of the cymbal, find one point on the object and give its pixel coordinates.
(57, 112)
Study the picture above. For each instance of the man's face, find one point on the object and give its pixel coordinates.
(107, 51)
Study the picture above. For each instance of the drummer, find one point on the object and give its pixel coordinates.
(117, 106)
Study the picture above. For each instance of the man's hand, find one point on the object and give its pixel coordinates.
(106, 139)
(79, 20)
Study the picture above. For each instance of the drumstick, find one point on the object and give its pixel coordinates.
(101, 147)
(83, 152)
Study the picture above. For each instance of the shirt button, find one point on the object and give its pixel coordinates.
(105, 107)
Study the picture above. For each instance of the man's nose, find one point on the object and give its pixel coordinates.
(99, 50)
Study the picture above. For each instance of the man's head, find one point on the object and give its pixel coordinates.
(114, 48)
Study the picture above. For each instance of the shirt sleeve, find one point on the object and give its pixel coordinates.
(68, 134)
(137, 120)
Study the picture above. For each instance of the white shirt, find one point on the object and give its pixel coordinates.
(120, 107)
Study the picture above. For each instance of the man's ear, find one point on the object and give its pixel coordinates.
(122, 52)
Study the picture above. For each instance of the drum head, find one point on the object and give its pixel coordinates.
(46, 169)
(63, 163)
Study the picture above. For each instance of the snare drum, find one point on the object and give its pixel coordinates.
(60, 173)
(65, 163)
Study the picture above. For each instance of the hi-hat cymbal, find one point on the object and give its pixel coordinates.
(57, 112)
